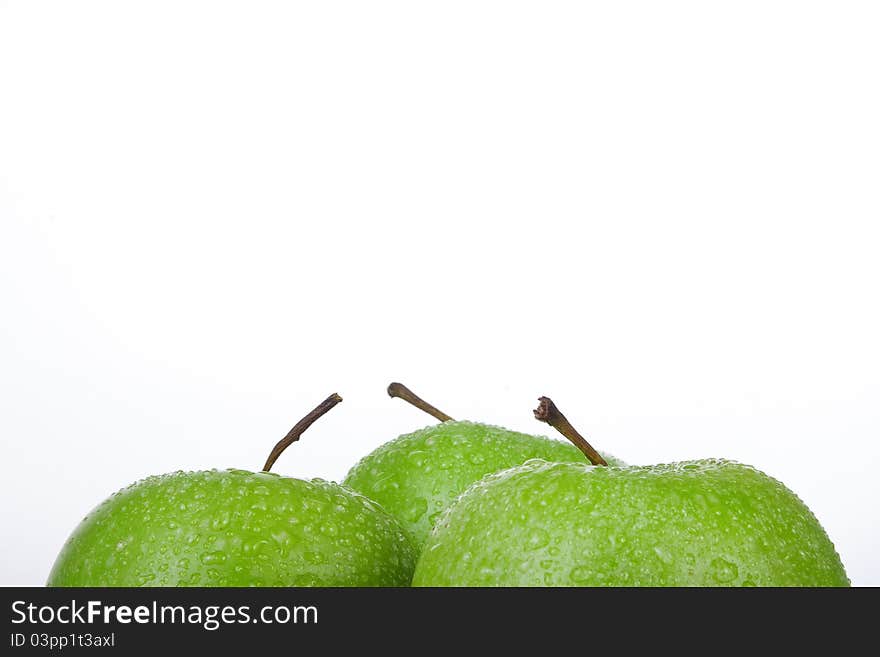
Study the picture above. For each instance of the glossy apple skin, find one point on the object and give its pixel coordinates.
(699, 523)
(235, 528)
(417, 475)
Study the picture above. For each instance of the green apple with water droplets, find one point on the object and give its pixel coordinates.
(417, 475)
(701, 523)
(237, 528)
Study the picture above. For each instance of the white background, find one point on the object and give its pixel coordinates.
(664, 215)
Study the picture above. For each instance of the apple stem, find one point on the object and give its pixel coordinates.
(547, 412)
(401, 391)
(299, 429)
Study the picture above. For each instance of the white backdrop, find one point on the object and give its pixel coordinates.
(664, 215)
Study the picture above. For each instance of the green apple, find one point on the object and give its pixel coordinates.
(698, 523)
(417, 475)
(237, 528)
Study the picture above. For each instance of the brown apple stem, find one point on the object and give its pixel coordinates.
(547, 412)
(407, 395)
(299, 429)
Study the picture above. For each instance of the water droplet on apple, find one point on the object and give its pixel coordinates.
(145, 578)
(722, 571)
(315, 558)
(220, 521)
(538, 538)
(213, 557)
